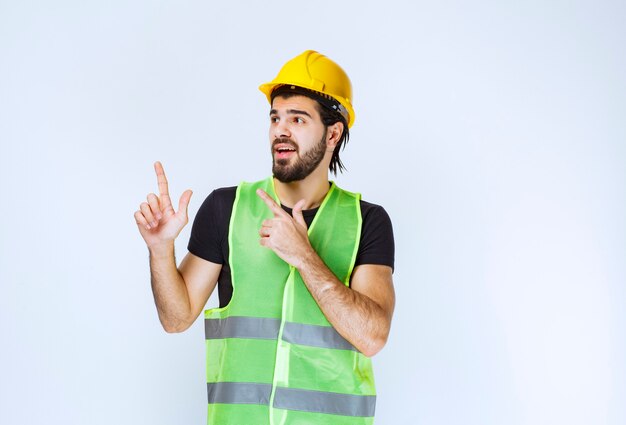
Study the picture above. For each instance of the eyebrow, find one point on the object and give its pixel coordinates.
(292, 112)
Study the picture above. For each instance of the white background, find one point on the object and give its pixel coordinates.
(493, 132)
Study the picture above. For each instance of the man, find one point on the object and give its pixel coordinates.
(304, 268)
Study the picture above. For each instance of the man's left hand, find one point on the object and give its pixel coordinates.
(285, 235)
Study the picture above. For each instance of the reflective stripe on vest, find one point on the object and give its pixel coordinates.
(264, 328)
(239, 392)
(291, 398)
(325, 402)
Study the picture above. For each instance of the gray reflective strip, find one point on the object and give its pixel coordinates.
(316, 336)
(241, 327)
(264, 328)
(323, 402)
(239, 393)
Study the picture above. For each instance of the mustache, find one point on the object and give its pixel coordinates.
(286, 141)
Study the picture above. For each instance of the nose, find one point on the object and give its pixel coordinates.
(281, 130)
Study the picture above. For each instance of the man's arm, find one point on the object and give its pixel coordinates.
(179, 294)
(362, 313)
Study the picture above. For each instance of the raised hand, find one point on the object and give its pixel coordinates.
(285, 235)
(156, 219)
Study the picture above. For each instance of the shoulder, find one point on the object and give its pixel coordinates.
(218, 200)
(376, 222)
(369, 210)
(222, 195)
(210, 226)
(373, 212)
(377, 242)
(216, 207)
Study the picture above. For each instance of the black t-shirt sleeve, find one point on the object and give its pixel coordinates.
(377, 243)
(209, 233)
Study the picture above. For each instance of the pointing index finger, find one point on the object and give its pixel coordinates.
(163, 187)
(276, 209)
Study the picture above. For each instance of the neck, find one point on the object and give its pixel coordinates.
(312, 189)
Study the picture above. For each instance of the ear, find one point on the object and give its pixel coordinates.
(333, 135)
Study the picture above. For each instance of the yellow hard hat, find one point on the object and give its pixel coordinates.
(314, 71)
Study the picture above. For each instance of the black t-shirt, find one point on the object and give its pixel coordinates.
(209, 235)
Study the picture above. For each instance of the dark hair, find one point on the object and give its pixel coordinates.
(328, 117)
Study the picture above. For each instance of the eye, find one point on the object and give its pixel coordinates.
(299, 120)
(273, 119)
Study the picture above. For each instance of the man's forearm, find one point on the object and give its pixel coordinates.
(359, 319)
(169, 289)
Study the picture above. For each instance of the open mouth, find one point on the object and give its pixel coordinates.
(284, 151)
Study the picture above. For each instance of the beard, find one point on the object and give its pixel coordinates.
(302, 165)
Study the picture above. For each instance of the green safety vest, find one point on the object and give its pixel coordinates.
(272, 356)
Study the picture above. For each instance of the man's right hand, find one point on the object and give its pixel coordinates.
(156, 219)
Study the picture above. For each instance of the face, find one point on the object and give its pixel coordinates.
(297, 136)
